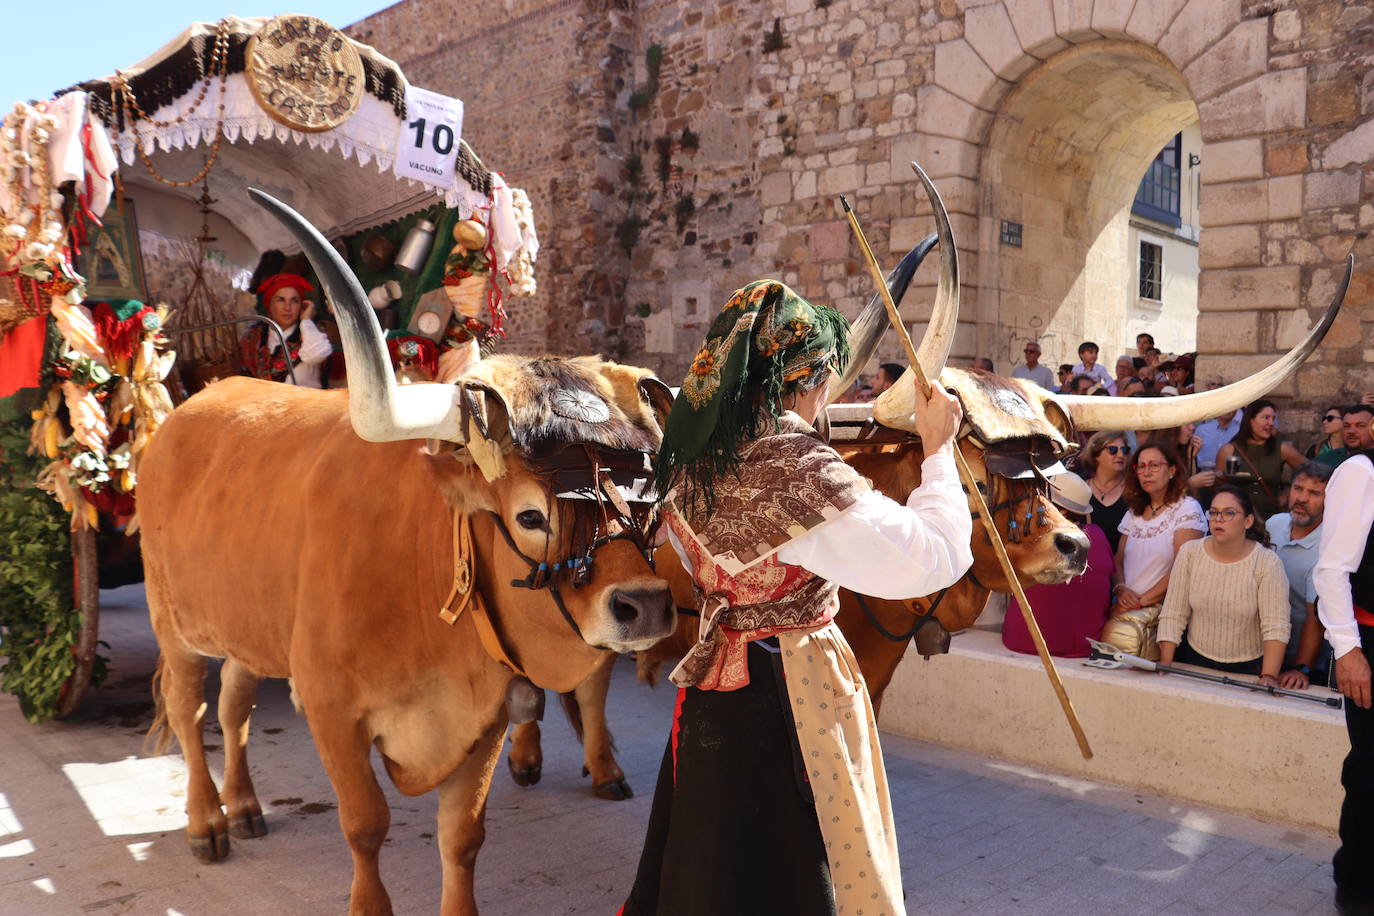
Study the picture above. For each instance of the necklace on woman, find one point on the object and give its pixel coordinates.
(1155, 510)
(1104, 492)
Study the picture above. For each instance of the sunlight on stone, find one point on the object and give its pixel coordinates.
(17, 848)
(9, 821)
(45, 885)
(139, 851)
(134, 795)
(1190, 839)
(1078, 787)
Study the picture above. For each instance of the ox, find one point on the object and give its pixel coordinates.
(379, 575)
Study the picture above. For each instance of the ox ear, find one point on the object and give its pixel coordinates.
(486, 427)
(659, 396)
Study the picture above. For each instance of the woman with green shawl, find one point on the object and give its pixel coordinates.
(772, 796)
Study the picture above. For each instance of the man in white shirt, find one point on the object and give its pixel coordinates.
(1033, 370)
(1344, 579)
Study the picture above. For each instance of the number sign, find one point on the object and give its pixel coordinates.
(427, 145)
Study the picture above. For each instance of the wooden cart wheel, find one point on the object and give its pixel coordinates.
(86, 594)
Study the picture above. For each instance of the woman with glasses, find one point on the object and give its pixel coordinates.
(1186, 440)
(1104, 466)
(1262, 457)
(1330, 448)
(1162, 518)
(1227, 606)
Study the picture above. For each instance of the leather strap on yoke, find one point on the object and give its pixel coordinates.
(464, 594)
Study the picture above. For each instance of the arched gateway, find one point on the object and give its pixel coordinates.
(682, 149)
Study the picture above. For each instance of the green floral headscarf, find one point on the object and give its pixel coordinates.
(765, 343)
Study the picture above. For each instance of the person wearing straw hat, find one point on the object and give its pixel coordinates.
(1074, 612)
(772, 796)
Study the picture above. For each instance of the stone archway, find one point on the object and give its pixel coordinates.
(1284, 153)
(1061, 160)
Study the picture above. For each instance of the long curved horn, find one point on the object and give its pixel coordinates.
(868, 329)
(896, 407)
(381, 410)
(1101, 413)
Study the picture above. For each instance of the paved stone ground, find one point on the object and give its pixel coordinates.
(88, 825)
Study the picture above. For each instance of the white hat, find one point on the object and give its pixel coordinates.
(1069, 491)
(1169, 390)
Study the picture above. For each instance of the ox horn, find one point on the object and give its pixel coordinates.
(381, 410)
(896, 407)
(1103, 413)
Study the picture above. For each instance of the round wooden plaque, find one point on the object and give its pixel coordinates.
(304, 73)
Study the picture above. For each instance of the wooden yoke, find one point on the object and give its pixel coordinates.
(967, 477)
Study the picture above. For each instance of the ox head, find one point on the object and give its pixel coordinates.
(549, 458)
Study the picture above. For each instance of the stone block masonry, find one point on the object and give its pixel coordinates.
(672, 145)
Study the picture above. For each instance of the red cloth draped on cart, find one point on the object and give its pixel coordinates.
(21, 354)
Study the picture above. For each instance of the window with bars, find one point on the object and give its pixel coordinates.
(1157, 198)
(1151, 271)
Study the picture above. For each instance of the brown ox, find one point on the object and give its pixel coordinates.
(1043, 554)
(1049, 549)
(279, 540)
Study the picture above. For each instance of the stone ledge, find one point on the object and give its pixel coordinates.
(1268, 757)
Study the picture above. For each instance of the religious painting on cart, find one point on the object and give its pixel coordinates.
(111, 260)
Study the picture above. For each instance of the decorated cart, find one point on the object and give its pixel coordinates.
(130, 259)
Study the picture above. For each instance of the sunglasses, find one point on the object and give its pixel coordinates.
(1331, 416)
(1115, 449)
(1030, 351)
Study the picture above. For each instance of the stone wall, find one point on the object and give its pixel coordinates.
(675, 150)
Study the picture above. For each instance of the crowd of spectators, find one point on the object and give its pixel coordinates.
(1203, 536)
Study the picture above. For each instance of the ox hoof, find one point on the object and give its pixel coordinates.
(247, 826)
(525, 775)
(210, 848)
(613, 790)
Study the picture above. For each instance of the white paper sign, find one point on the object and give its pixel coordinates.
(427, 145)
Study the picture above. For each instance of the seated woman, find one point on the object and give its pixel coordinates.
(1262, 457)
(1068, 614)
(1227, 606)
(1162, 518)
(306, 345)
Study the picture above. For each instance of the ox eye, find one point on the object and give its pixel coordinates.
(531, 519)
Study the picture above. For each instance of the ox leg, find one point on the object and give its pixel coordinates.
(183, 691)
(364, 816)
(526, 760)
(598, 747)
(462, 826)
(238, 687)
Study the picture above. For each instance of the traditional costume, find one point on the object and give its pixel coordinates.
(307, 347)
(772, 796)
(1344, 580)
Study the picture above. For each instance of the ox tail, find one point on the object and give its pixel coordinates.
(159, 737)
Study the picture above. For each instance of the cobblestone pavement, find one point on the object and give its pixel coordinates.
(88, 825)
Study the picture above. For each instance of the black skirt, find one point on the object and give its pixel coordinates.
(733, 826)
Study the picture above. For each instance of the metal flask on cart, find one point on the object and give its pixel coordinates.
(415, 249)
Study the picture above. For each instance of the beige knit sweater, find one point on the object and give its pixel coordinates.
(1228, 609)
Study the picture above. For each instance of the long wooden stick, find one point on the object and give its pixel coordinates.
(969, 482)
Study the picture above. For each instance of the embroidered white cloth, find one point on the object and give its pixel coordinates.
(1150, 544)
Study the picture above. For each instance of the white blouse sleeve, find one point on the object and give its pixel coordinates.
(881, 548)
(315, 346)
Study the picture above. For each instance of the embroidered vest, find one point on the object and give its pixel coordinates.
(787, 484)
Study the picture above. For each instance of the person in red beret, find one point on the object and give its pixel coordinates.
(283, 299)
